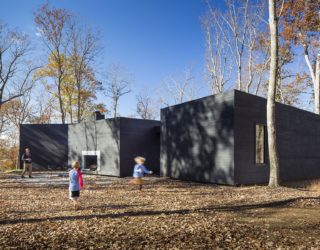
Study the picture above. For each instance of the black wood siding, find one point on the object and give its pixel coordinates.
(101, 135)
(119, 140)
(48, 144)
(249, 111)
(298, 134)
(197, 140)
(139, 138)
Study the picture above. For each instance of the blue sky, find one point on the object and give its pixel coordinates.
(151, 38)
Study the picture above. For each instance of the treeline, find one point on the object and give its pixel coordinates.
(238, 49)
(58, 80)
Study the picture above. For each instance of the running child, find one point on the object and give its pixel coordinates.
(139, 171)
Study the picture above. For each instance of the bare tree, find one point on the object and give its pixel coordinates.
(84, 50)
(218, 63)
(15, 70)
(251, 47)
(237, 20)
(290, 84)
(274, 178)
(146, 108)
(53, 24)
(232, 43)
(43, 110)
(261, 63)
(178, 89)
(117, 85)
(257, 63)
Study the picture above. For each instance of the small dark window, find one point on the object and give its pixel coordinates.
(90, 162)
(260, 149)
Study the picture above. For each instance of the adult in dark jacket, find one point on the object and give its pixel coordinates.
(27, 163)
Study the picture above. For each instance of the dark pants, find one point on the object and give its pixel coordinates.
(27, 167)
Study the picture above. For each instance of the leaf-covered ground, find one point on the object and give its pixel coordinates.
(168, 214)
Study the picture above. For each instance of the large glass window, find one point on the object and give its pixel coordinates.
(260, 144)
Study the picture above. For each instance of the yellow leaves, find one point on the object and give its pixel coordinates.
(53, 66)
(8, 155)
(67, 80)
(10, 106)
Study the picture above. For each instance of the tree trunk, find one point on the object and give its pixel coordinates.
(60, 78)
(274, 178)
(239, 76)
(317, 87)
(250, 71)
(79, 110)
(317, 80)
(78, 79)
(315, 76)
(115, 108)
(71, 112)
(79, 103)
(61, 103)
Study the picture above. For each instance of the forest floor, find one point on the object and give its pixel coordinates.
(168, 214)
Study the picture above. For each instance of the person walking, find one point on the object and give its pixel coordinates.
(27, 163)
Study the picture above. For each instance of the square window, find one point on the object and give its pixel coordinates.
(91, 162)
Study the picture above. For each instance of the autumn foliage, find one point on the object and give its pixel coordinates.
(168, 214)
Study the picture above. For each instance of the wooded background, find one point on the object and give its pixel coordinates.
(64, 87)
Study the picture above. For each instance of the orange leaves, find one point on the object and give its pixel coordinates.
(301, 20)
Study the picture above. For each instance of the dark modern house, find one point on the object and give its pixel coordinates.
(109, 146)
(216, 139)
(223, 139)
(102, 146)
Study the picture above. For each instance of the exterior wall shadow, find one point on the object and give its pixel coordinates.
(48, 144)
(197, 140)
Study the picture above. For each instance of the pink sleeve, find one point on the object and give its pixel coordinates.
(80, 178)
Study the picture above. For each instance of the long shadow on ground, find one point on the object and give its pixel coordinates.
(236, 208)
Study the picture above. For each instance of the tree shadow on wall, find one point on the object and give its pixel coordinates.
(198, 140)
(48, 144)
(97, 134)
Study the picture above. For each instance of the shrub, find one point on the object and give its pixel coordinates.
(6, 165)
(315, 186)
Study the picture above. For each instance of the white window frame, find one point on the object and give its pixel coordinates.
(91, 153)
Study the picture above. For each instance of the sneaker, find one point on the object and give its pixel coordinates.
(30, 177)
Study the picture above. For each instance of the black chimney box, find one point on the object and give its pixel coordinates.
(98, 116)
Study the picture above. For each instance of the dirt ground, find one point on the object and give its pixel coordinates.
(168, 214)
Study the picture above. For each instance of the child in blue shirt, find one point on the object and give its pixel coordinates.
(75, 183)
(139, 171)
